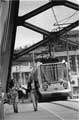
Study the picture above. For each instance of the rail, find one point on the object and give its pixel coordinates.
(66, 106)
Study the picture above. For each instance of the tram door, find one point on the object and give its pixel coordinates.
(8, 17)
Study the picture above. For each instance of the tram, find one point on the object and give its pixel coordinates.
(9, 21)
(54, 80)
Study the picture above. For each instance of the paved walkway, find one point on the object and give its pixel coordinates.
(26, 113)
(75, 100)
(69, 104)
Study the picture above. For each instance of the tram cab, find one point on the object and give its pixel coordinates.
(54, 79)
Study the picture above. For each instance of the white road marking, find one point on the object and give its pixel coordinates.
(49, 110)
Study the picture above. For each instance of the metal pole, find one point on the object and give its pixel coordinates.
(68, 60)
(33, 59)
(8, 19)
(76, 62)
(1, 104)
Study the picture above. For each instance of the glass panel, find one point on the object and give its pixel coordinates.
(50, 20)
(53, 72)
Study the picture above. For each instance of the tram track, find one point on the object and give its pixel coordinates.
(66, 106)
(58, 117)
(61, 112)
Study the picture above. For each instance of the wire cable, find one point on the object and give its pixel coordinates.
(67, 18)
(55, 16)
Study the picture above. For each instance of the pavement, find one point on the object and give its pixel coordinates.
(71, 104)
(26, 111)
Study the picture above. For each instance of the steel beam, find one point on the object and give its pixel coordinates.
(47, 6)
(41, 9)
(27, 50)
(53, 35)
(69, 41)
(35, 28)
(71, 5)
(68, 28)
(8, 19)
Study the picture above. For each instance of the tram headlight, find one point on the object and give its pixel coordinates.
(45, 86)
(65, 85)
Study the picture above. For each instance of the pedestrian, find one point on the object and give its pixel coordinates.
(33, 77)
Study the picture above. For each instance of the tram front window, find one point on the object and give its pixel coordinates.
(53, 72)
(61, 72)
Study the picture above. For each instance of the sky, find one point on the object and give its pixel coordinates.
(45, 20)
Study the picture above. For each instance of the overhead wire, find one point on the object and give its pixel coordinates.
(57, 23)
(55, 16)
(67, 18)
